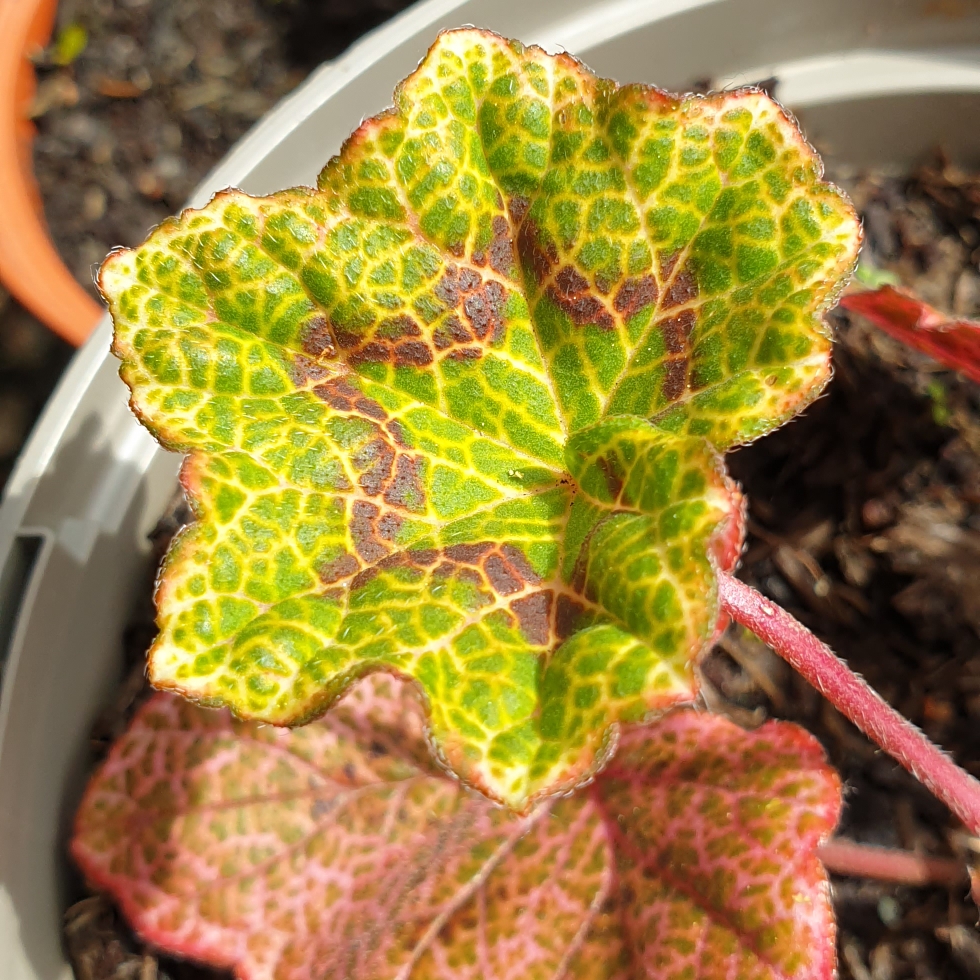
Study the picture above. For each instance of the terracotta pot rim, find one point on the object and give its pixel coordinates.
(30, 266)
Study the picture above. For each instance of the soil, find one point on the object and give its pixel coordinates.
(864, 513)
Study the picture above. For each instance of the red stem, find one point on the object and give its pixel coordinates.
(850, 695)
(846, 857)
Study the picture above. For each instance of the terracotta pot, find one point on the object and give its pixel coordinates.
(30, 267)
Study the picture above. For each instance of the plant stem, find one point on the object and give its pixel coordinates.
(852, 697)
(845, 857)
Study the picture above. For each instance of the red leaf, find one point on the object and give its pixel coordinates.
(335, 851)
(951, 341)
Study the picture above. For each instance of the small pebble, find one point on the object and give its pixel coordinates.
(117, 88)
(882, 962)
(169, 166)
(149, 185)
(94, 203)
(876, 513)
(102, 150)
(55, 92)
(889, 911)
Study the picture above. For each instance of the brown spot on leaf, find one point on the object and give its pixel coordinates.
(570, 282)
(316, 339)
(667, 263)
(374, 460)
(634, 294)
(337, 568)
(613, 476)
(682, 290)
(348, 340)
(372, 353)
(571, 293)
(370, 408)
(466, 354)
(461, 572)
(604, 282)
(581, 562)
(469, 280)
(496, 570)
(483, 309)
(453, 281)
(464, 574)
(533, 614)
(520, 564)
(518, 208)
(539, 261)
(339, 394)
(362, 578)
(362, 532)
(453, 288)
(675, 380)
(501, 247)
(396, 327)
(676, 330)
(304, 370)
(397, 431)
(413, 353)
(447, 288)
(389, 526)
(501, 577)
(451, 331)
(567, 614)
(469, 554)
(405, 489)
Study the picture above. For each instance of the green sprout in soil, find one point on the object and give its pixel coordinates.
(455, 419)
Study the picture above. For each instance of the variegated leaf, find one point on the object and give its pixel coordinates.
(335, 851)
(454, 414)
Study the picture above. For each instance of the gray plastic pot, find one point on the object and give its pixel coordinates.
(877, 81)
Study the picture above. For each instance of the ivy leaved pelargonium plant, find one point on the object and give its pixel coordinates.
(457, 413)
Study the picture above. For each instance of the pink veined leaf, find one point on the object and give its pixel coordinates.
(952, 341)
(337, 851)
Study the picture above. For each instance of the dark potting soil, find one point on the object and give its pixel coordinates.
(865, 512)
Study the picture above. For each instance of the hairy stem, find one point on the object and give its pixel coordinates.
(845, 857)
(852, 697)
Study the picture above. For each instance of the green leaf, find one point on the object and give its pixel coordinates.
(448, 414)
(335, 852)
